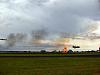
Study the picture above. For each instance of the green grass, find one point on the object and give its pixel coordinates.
(29, 54)
(49, 66)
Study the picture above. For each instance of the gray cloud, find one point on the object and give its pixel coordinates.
(56, 15)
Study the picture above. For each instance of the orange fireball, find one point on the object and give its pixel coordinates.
(65, 49)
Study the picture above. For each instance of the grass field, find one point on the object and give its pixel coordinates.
(50, 66)
(29, 54)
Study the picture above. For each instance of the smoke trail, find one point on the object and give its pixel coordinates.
(12, 39)
(21, 37)
(38, 36)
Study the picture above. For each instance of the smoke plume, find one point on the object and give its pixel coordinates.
(38, 36)
(12, 39)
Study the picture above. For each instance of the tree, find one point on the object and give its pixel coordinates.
(70, 52)
(43, 51)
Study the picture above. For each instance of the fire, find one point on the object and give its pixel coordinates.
(63, 42)
(65, 49)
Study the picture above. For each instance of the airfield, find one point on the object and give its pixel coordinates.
(49, 64)
(49, 55)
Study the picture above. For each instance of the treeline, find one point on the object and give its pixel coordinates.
(52, 52)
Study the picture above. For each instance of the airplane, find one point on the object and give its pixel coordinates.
(3, 39)
(76, 46)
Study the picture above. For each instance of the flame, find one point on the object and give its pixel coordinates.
(65, 49)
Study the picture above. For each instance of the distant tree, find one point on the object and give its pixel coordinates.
(70, 52)
(54, 51)
(43, 51)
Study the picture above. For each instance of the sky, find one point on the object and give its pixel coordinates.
(54, 16)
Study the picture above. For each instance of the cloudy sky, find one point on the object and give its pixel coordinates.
(56, 16)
